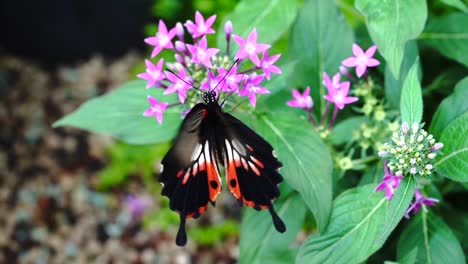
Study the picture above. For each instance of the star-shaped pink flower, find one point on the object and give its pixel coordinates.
(153, 73)
(252, 88)
(162, 40)
(178, 85)
(420, 200)
(249, 47)
(267, 64)
(340, 96)
(200, 27)
(361, 59)
(232, 79)
(301, 100)
(389, 183)
(157, 109)
(201, 54)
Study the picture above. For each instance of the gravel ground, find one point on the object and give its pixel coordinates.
(50, 210)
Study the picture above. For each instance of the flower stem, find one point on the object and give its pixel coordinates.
(335, 112)
(311, 118)
(325, 114)
(249, 70)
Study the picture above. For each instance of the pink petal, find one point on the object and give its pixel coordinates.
(252, 36)
(151, 41)
(344, 87)
(239, 40)
(370, 51)
(253, 99)
(306, 92)
(199, 20)
(380, 187)
(294, 103)
(156, 51)
(350, 62)
(162, 29)
(357, 51)
(262, 47)
(360, 70)
(349, 100)
(296, 93)
(203, 43)
(159, 117)
(372, 62)
(274, 69)
(209, 22)
(152, 101)
(148, 112)
(254, 58)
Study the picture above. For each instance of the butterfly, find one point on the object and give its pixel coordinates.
(208, 138)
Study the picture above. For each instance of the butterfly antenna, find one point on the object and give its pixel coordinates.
(224, 77)
(237, 105)
(191, 85)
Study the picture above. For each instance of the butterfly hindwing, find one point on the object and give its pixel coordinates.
(190, 175)
(251, 168)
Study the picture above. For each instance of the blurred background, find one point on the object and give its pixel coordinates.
(69, 196)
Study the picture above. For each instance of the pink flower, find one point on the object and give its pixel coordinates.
(212, 82)
(340, 96)
(252, 88)
(201, 54)
(162, 40)
(389, 183)
(232, 80)
(178, 85)
(153, 73)
(420, 200)
(157, 109)
(267, 64)
(250, 48)
(200, 27)
(331, 84)
(361, 59)
(301, 100)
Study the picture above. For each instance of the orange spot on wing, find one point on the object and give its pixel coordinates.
(232, 175)
(249, 147)
(186, 177)
(180, 173)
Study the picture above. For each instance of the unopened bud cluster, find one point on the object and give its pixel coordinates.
(410, 151)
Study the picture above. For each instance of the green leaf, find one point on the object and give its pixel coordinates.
(454, 163)
(343, 131)
(307, 164)
(432, 239)
(320, 39)
(449, 35)
(271, 18)
(355, 224)
(394, 86)
(411, 107)
(259, 240)
(396, 209)
(450, 108)
(391, 24)
(457, 4)
(120, 114)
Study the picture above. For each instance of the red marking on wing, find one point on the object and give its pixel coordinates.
(204, 113)
(200, 211)
(232, 176)
(254, 169)
(179, 173)
(259, 163)
(213, 175)
(249, 147)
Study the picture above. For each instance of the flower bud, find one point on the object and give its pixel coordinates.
(431, 155)
(415, 128)
(413, 170)
(428, 167)
(180, 46)
(437, 146)
(179, 31)
(405, 128)
(383, 153)
(228, 29)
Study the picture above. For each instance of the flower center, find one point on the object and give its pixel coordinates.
(250, 48)
(163, 39)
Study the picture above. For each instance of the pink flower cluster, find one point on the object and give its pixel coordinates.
(338, 92)
(202, 67)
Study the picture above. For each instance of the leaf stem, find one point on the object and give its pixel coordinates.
(426, 235)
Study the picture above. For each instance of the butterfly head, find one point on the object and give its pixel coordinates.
(209, 97)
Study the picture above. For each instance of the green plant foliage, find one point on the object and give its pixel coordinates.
(261, 243)
(271, 19)
(454, 163)
(391, 24)
(411, 99)
(451, 107)
(210, 235)
(119, 114)
(313, 45)
(427, 239)
(449, 35)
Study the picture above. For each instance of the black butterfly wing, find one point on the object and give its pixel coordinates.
(251, 167)
(190, 174)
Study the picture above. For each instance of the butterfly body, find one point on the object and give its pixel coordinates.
(210, 138)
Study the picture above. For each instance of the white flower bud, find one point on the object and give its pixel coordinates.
(431, 155)
(405, 128)
(415, 128)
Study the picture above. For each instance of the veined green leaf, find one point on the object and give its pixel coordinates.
(391, 24)
(411, 98)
